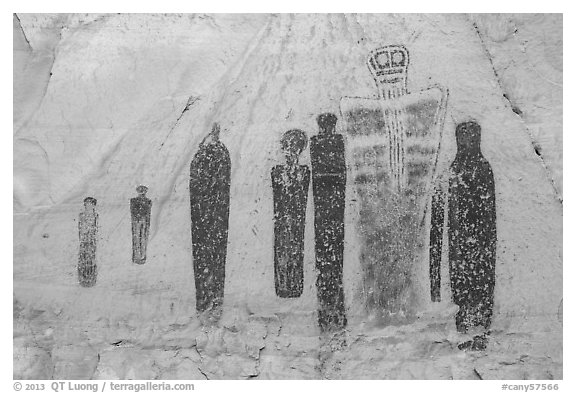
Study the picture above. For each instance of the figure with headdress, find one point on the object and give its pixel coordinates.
(392, 142)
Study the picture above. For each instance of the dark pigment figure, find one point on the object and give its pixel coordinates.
(140, 208)
(471, 235)
(329, 188)
(87, 230)
(209, 211)
(290, 191)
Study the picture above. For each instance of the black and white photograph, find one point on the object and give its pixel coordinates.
(287, 196)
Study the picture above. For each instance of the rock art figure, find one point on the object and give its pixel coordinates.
(389, 67)
(392, 143)
(88, 230)
(209, 211)
(290, 193)
(329, 188)
(469, 196)
(140, 208)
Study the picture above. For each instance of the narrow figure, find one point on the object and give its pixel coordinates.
(140, 208)
(88, 230)
(436, 231)
(329, 188)
(471, 204)
(209, 211)
(290, 184)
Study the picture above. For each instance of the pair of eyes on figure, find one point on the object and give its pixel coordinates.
(390, 59)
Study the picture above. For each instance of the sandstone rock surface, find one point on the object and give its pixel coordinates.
(103, 103)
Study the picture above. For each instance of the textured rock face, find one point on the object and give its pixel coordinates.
(527, 58)
(104, 103)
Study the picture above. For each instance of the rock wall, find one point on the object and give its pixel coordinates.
(103, 103)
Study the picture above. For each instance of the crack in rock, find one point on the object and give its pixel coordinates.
(518, 113)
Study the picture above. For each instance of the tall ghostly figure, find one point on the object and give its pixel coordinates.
(329, 188)
(290, 184)
(140, 208)
(392, 145)
(209, 211)
(471, 224)
(87, 231)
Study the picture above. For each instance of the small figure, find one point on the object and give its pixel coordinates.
(87, 231)
(329, 190)
(209, 211)
(471, 203)
(140, 208)
(290, 192)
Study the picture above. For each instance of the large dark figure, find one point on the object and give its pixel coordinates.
(329, 188)
(87, 231)
(209, 210)
(471, 233)
(140, 208)
(290, 184)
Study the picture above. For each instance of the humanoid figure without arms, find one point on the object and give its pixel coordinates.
(290, 193)
(209, 212)
(87, 231)
(140, 208)
(470, 199)
(329, 189)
